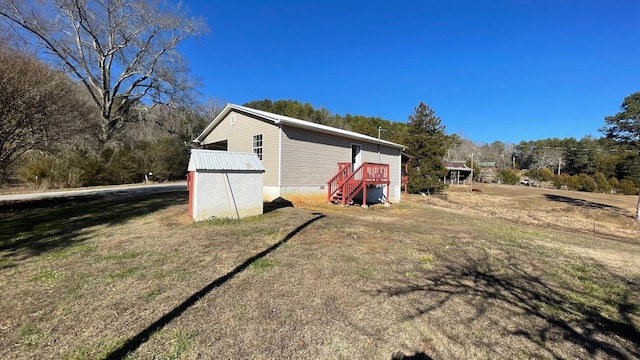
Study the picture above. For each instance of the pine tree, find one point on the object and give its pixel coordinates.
(625, 128)
(427, 143)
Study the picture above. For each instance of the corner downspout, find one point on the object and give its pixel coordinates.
(399, 189)
(279, 159)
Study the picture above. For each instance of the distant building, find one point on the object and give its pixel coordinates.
(488, 171)
(457, 173)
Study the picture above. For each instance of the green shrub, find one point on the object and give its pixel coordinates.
(543, 174)
(572, 182)
(507, 176)
(564, 181)
(602, 182)
(124, 166)
(587, 183)
(557, 181)
(34, 168)
(627, 187)
(614, 184)
(167, 158)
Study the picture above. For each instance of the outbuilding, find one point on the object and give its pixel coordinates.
(458, 173)
(224, 184)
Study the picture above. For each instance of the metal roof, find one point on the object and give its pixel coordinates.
(457, 166)
(224, 161)
(281, 119)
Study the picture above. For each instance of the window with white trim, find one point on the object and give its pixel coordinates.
(257, 145)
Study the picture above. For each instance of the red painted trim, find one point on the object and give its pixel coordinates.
(190, 186)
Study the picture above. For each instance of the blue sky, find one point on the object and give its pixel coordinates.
(508, 70)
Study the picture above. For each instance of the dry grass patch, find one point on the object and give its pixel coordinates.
(432, 276)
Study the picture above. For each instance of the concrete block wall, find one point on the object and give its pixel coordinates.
(227, 195)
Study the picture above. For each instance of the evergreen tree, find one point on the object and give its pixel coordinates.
(625, 127)
(427, 143)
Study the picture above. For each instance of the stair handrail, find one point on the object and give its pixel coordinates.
(352, 181)
(335, 183)
(348, 195)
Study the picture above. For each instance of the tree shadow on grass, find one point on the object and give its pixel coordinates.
(585, 203)
(65, 223)
(143, 336)
(596, 319)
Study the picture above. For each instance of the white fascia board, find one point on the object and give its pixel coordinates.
(280, 119)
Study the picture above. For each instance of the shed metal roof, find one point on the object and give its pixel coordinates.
(224, 161)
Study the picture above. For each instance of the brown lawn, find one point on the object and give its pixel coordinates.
(510, 272)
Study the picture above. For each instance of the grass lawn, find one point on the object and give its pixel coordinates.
(511, 272)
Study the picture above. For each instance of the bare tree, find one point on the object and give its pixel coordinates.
(162, 120)
(211, 108)
(546, 157)
(123, 51)
(40, 109)
(462, 149)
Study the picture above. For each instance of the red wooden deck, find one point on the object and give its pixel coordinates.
(346, 184)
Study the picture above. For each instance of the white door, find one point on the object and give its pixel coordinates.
(356, 156)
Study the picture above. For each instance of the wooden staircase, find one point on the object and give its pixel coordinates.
(346, 184)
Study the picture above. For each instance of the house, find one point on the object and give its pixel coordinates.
(302, 158)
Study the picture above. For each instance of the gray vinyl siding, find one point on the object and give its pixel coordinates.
(240, 139)
(311, 159)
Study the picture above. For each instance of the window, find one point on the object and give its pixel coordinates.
(257, 145)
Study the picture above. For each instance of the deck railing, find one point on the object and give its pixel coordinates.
(349, 183)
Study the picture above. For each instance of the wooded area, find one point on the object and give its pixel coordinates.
(109, 101)
(50, 132)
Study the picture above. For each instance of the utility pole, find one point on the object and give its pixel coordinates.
(380, 130)
(471, 179)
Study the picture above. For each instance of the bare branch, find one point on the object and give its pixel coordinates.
(97, 41)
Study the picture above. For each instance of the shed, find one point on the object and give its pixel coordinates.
(224, 184)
